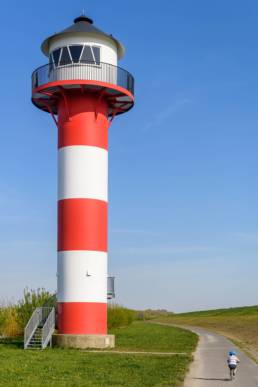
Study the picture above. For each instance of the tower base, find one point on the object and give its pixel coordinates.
(83, 341)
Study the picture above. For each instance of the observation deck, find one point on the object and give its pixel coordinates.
(113, 83)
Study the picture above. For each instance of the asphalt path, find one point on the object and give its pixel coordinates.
(209, 368)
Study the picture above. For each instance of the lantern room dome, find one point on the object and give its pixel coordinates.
(83, 25)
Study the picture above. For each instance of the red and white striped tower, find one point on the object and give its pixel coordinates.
(83, 89)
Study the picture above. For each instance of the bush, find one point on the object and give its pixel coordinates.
(150, 314)
(118, 316)
(31, 300)
(13, 318)
(9, 326)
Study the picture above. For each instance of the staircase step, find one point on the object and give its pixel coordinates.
(34, 348)
(35, 344)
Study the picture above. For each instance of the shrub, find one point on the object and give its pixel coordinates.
(118, 316)
(150, 314)
(140, 315)
(9, 326)
(31, 300)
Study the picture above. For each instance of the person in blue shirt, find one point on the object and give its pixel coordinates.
(232, 361)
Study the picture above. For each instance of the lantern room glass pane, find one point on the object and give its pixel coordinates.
(87, 55)
(75, 52)
(56, 56)
(65, 57)
(96, 52)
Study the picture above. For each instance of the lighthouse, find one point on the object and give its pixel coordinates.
(83, 89)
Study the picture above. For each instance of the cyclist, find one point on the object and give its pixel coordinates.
(232, 363)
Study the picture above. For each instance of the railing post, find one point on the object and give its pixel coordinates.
(31, 326)
(48, 328)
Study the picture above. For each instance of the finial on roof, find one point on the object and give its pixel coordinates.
(83, 18)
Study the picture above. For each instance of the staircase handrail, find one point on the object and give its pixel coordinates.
(48, 329)
(32, 325)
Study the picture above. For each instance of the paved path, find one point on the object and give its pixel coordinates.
(209, 368)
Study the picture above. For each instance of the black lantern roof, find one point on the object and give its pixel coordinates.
(83, 24)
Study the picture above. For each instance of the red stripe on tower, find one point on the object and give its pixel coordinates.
(81, 317)
(82, 120)
(82, 225)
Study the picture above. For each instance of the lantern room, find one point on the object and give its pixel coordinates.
(83, 57)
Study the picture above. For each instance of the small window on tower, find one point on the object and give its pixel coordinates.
(96, 53)
(56, 56)
(65, 57)
(87, 56)
(75, 52)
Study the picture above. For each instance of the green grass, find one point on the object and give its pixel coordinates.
(239, 311)
(239, 324)
(68, 367)
(152, 337)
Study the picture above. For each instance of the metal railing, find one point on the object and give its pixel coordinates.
(45, 310)
(103, 72)
(38, 318)
(31, 326)
(48, 329)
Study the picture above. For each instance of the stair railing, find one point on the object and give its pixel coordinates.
(48, 329)
(32, 325)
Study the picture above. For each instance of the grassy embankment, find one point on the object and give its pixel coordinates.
(67, 367)
(238, 324)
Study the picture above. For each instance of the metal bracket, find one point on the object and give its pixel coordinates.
(65, 102)
(113, 116)
(51, 112)
(98, 101)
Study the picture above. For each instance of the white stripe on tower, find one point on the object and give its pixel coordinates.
(82, 276)
(82, 172)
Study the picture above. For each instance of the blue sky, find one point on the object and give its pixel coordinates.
(183, 213)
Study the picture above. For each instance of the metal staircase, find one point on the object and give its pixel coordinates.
(40, 328)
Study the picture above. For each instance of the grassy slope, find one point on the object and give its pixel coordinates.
(156, 338)
(64, 367)
(239, 324)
